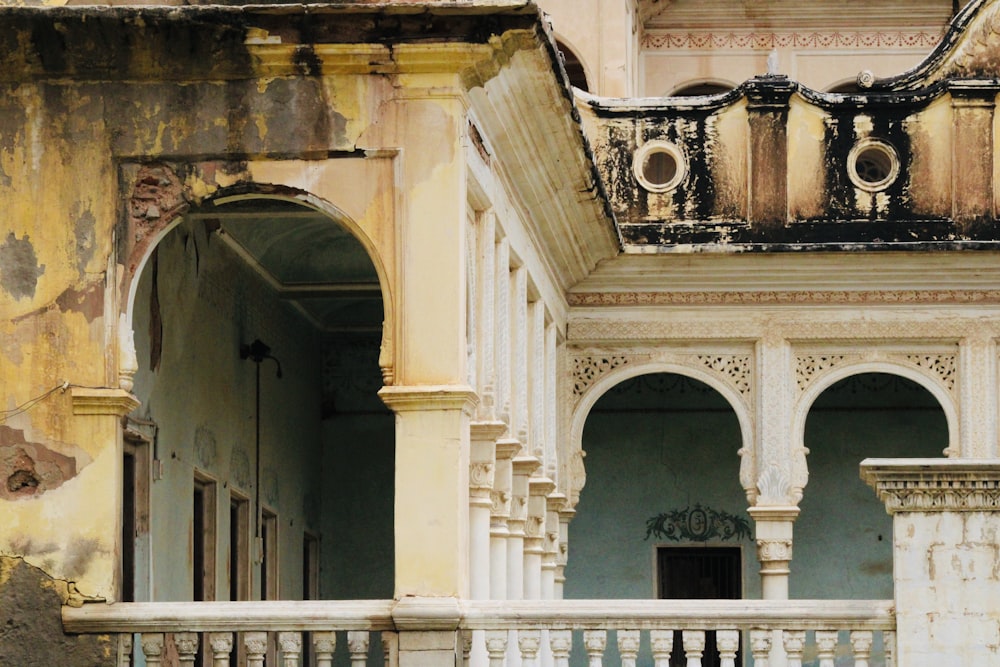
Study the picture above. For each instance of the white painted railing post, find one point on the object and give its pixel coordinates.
(889, 646)
(125, 649)
(628, 647)
(256, 646)
(662, 643)
(324, 644)
(187, 646)
(694, 646)
(728, 642)
(529, 641)
(357, 645)
(826, 646)
(794, 642)
(760, 647)
(560, 642)
(496, 646)
(595, 641)
(466, 647)
(222, 647)
(291, 647)
(861, 641)
(152, 648)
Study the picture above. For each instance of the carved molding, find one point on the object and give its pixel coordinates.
(812, 39)
(588, 369)
(942, 366)
(809, 366)
(974, 53)
(481, 475)
(774, 550)
(736, 369)
(698, 524)
(761, 298)
(935, 485)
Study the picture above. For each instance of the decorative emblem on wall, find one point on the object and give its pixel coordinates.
(698, 524)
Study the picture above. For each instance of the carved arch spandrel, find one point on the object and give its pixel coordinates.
(934, 371)
(593, 372)
(158, 195)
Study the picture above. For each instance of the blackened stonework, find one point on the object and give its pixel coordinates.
(31, 633)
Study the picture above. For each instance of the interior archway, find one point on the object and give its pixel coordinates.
(860, 416)
(656, 444)
(257, 325)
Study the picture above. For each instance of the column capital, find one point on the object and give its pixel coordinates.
(487, 431)
(507, 448)
(429, 397)
(934, 485)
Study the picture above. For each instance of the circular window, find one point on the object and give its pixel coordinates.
(659, 166)
(872, 165)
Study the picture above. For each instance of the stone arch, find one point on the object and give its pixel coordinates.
(137, 255)
(702, 86)
(628, 371)
(822, 382)
(575, 65)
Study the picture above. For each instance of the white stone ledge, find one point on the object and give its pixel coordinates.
(935, 485)
(439, 614)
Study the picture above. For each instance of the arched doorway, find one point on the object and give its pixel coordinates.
(257, 325)
(661, 458)
(843, 536)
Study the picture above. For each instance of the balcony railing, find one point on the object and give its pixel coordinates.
(538, 632)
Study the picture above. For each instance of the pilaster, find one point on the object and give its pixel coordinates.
(767, 114)
(432, 488)
(482, 473)
(946, 555)
(977, 359)
(973, 102)
(534, 535)
(506, 449)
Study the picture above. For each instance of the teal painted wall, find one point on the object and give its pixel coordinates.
(662, 442)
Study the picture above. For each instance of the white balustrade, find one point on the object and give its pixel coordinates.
(531, 629)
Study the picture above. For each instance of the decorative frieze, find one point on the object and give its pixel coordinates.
(586, 370)
(935, 485)
(737, 369)
(762, 298)
(697, 524)
(942, 366)
(809, 366)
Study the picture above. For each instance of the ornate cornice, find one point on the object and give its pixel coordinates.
(935, 485)
(789, 297)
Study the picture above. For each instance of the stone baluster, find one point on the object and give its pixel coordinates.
(662, 643)
(728, 642)
(861, 641)
(595, 641)
(324, 644)
(560, 643)
(291, 647)
(466, 647)
(628, 647)
(529, 641)
(125, 650)
(496, 646)
(794, 642)
(390, 649)
(694, 646)
(256, 646)
(357, 645)
(889, 646)
(826, 646)
(760, 647)
(222, 648)
(152, 648)
(187, 646)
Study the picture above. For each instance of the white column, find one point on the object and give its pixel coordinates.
(523, 466)
(501, 498)
(486, 312)
(566, 515)
(519, 351)
(502, 329)
(550, 556)
(537, 371)
(482, 473)
(551, 402)
(534, 535)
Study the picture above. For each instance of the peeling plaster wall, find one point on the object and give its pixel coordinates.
(201, 395)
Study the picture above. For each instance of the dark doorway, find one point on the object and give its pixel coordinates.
(699, 573)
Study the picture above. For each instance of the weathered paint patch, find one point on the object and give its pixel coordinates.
(88, 301)
(28, 468)
(84, 231)
(31, 625)
(19, 268)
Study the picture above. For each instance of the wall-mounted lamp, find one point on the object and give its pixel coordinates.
(257, 352)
